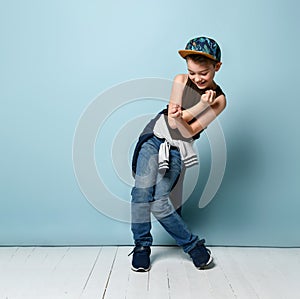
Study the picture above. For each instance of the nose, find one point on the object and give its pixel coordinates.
(197, 79)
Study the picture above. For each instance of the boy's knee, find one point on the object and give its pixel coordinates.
(161, 208)
(141, 195)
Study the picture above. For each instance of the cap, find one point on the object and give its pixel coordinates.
(203, 46)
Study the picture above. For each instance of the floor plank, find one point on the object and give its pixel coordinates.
(104, 273)
(263, 273)
(119, 276)
(218, 283)
(198, 281)
(70, 275)
(229, 265)
(287, 261)
(96, 284)
(12, 273)
(159, 285)
(177, 279)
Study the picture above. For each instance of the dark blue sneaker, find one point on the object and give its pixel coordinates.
(200, 255)
(141, 258)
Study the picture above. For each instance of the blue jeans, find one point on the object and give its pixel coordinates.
(150, 194)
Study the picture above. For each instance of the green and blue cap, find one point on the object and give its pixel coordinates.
(202, 46)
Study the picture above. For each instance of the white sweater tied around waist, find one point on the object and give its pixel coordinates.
(186, 149)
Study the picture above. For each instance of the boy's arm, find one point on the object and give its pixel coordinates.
(202, 120)
(176, 100)
(205, 101)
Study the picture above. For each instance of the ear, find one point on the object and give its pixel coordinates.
(218, 66)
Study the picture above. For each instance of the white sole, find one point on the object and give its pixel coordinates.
(140, 269)
(207, 264)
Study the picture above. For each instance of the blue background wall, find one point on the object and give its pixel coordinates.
(57, 56)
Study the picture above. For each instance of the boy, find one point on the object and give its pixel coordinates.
(165, 147)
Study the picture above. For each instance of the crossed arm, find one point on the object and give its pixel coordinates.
(204, 112)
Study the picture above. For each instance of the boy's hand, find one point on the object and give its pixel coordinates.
(175, 110)
(209, 97)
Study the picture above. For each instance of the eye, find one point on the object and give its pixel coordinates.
(192, 74)
(204, 74)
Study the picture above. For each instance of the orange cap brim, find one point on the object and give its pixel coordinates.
(184, 53)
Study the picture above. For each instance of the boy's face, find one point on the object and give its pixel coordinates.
(202, 74)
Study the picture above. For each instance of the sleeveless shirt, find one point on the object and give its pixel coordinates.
(190, 97)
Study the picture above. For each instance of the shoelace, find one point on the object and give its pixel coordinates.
(134, 250)
(131, 252)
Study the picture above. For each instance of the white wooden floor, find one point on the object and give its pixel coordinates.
(104, 272)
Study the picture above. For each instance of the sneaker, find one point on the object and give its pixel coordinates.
(141, 258)
(200, 255)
